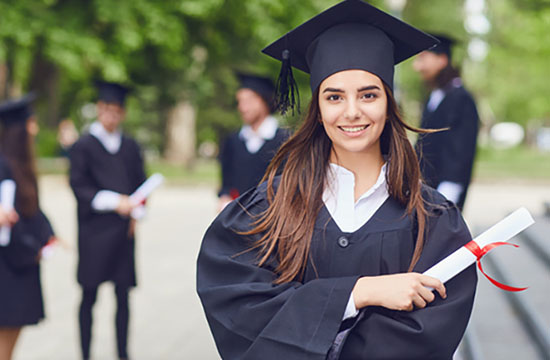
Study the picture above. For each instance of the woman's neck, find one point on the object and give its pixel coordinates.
(365, 166)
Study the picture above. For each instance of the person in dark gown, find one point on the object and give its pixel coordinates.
(324, 259)
(245, 154)
(446, 157)
(21, 301)
(106, 167)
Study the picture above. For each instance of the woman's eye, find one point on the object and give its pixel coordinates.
(334, 97)
(369, 96)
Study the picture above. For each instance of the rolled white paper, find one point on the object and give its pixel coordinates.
(504, 230)
(138, 212)
(145, 189)
(7, 198)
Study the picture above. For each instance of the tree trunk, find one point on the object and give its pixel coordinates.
(3, 80)
(45, 81)
(180, 134)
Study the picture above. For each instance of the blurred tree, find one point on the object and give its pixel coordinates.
(183, 53)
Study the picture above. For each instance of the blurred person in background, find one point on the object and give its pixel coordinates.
(446, 157)
(245, 154)
(106, 167)
(21, 300)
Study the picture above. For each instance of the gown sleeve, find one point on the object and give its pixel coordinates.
(249, 316)
(225, 156)
(80, 178)
(430, 333)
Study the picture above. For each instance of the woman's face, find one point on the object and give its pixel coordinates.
(353, 106)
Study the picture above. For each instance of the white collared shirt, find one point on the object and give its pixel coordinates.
(350, 215)
(110, 141)
(339, 198)
(436, 97)
(254, 140)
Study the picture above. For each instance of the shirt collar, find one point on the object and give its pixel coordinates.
(110, 141)
(338, 178)
(266, 130)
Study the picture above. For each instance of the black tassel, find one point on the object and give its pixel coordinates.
(287, 95)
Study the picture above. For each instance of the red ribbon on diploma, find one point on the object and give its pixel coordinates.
(480, 252)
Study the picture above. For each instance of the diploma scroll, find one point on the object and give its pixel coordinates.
(502, 231)
(142, 192)
(145, 189)
(7, 198)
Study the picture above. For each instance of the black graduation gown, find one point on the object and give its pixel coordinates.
(21, 301)
(449, 155)
(251, 318)
(106, 253)
(242, 170)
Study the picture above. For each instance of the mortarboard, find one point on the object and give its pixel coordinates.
(263, 86)
(17, 110)
(445, 44)
(349, 35)
(110, 92)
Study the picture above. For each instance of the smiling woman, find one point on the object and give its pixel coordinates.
(323, 260)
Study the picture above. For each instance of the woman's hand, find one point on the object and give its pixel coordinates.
(397, 292)
(8, 218)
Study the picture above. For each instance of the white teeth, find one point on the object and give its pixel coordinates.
(354, 128)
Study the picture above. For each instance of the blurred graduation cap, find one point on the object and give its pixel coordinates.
(110, 92)
(17, 110)
(261, 85)
(445, 44)
(349, 35)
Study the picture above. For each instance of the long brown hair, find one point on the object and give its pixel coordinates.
(17, 147)
(287, 225)
(445, 76)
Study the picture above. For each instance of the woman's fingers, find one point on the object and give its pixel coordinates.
(426, 294)
(435, 284)
(419, 302)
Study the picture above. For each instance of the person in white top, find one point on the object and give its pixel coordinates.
(324, 259)
(106, 167)
(245, 155)
(446, 157)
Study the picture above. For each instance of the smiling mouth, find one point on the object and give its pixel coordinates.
(353, 129)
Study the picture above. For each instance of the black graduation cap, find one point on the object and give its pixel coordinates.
(17, 110)
(349, 35)
(263, 86)
(110, 92)
(445, 44)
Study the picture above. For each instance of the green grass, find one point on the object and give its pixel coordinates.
(202, 172)
(519, 163)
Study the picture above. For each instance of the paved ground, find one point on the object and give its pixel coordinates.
(167, 320)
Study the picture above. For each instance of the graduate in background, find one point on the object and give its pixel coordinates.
(106, 167)
(21, 300)
(245, 154)
(446, 157)
(324, 261)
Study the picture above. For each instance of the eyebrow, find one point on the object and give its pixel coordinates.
(370, 87)
(364, 88)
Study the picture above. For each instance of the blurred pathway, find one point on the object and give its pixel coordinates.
(167, 319)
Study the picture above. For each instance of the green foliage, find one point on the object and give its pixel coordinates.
(170, 51)
(46, 143)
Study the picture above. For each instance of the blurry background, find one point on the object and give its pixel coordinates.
(179, 58)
